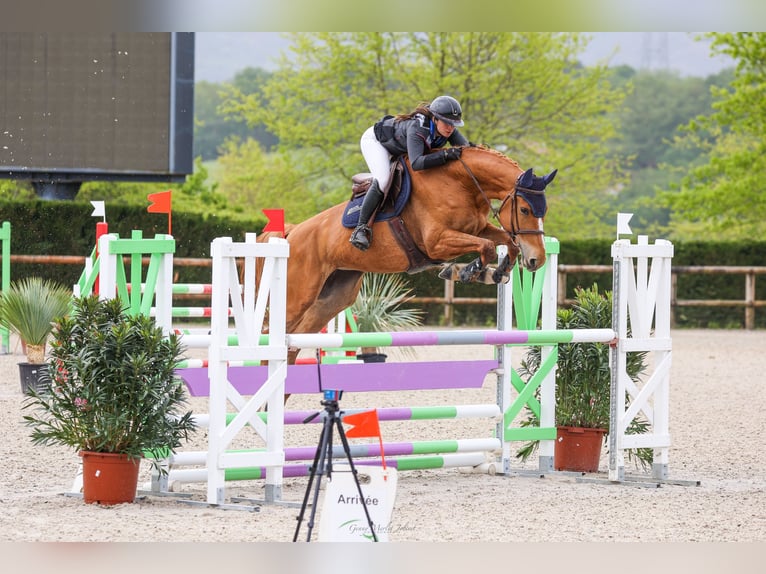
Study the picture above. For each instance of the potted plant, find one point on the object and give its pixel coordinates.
(28, 308)
(583, 383)
(378, 308)
(113, 396)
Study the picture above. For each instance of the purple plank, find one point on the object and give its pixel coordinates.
(352, 377)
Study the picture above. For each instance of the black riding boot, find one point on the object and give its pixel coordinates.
(361, 238)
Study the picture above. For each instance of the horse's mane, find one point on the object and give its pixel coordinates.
(486, 148)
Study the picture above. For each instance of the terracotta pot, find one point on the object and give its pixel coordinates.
(578, 449)
(109, 478)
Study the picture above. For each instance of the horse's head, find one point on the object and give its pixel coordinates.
(522, 214)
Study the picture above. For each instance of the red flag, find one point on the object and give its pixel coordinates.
(276, 220)
(365, 424)
(160, 202)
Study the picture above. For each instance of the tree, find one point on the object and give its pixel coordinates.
(725, 195)
(194, 195)
(16, 189)
(658, 104)
(523, 93)
(251, 180)
(212, 129)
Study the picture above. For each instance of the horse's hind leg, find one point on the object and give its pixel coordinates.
(471, 271)
(338, 293)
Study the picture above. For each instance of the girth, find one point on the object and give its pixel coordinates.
(417, 259)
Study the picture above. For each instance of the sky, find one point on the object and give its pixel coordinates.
(220, 55)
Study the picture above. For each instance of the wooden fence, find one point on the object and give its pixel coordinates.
(749, 303)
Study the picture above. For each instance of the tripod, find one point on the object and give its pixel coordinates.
(323, 462)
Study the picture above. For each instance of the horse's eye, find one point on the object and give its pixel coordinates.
(524, 211)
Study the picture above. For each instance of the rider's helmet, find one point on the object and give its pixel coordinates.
(447, 109)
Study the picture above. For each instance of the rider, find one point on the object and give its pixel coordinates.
(419, 134)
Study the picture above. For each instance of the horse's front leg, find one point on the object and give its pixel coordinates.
(498, 236)
(451, 244)
(502, 273)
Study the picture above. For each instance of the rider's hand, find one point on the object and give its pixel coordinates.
(452, 153)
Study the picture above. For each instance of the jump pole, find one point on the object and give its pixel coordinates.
(425, 338)
(450, 460)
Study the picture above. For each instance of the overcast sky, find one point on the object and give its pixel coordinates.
(220, 55)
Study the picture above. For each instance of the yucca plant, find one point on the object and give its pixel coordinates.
(378, 306)
(29, 307)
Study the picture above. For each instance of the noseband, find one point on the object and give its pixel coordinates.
(514, 219)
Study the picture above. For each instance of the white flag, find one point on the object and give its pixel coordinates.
(622, 223)
(98, 209)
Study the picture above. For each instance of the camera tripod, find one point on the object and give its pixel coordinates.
(322, 464)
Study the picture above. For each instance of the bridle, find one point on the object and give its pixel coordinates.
(514, 219)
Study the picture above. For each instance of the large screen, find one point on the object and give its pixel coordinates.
(76, 107)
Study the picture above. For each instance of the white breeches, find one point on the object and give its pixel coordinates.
(377, 157)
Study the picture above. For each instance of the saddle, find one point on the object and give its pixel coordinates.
(395, 198)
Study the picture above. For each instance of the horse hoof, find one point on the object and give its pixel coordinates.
(500, 277)
(466, 277)
(447, 272)
(469, 273)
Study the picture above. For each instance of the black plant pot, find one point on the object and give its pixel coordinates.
(33, 375)
(372, 357)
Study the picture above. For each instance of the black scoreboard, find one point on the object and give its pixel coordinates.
(77, 107)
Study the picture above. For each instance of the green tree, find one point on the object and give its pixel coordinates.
(523, 93)
(16, 189)
(194, 195)
(253, 180)
(212, 129)
(725, 195)
(658, 104)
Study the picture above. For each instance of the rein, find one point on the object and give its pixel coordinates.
(515, 230)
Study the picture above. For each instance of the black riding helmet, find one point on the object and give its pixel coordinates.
(447, 109)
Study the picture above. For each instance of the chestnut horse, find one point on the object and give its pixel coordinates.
(446, 216)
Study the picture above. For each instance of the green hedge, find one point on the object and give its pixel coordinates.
(67, 228)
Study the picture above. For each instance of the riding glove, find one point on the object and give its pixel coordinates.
(452, 153)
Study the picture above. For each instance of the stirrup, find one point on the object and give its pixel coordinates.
(361, 237)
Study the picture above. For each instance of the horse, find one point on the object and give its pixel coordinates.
(447, 216)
